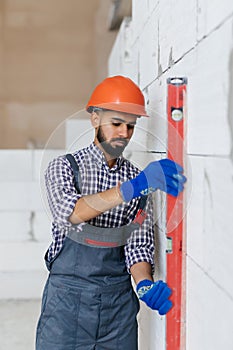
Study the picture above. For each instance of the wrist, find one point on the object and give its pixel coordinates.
(126, 191)
(143, 287)
(134, 188)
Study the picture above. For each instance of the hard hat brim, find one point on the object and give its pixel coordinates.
(123, 107)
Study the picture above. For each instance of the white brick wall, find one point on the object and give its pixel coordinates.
(25, 222)
(192, 39)
(79, 132)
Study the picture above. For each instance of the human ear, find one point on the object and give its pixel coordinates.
(95, 119)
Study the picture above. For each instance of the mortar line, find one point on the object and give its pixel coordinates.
(209, 155)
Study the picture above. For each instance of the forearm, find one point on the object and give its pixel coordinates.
(141, 271)
(90, 206)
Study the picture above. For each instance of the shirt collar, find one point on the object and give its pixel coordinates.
(100, 160)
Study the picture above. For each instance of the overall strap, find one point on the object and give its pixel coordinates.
(75, 169)
(141, 213)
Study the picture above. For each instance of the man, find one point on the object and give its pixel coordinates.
(100, 237)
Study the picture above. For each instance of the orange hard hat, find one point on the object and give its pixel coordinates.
(120, 94)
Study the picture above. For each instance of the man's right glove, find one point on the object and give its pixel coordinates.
(155, 295)
(164, 174)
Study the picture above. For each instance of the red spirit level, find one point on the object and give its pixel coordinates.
(175, 321)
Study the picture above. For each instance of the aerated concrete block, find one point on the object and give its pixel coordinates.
(22, 284)
(217, 205)
(140, 16)
(20, 196)
(15, 226)
(42, 227)
(141, 158)
(157, 122)
(34, 226)
(151, 329)
(208, 118)
(208, 129)
(177, 30)
(79, 134)
(209, 234)
(22, 256)
(41, 159)
(209, 311)
(148, 51)
(211, 14)
(194, 199)
(138, 142)
(16, 165)
(114, 60)
(123, 59)
(152, 5)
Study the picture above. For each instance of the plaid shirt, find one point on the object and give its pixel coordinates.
(96, 176)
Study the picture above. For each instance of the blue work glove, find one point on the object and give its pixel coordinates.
(164, 174)
(155, 295)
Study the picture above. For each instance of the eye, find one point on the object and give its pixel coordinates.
(130, 126)
(116, 124)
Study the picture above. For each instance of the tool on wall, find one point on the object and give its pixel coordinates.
(176, 247)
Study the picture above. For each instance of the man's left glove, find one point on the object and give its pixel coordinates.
(163, 174)
(155, 295)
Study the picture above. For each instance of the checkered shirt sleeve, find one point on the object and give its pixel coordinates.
(61, 193)
(140, 246)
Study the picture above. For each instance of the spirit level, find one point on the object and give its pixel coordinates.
(175, 321)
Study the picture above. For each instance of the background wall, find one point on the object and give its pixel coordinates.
(25, 222)
(48, 65)
(193, 39)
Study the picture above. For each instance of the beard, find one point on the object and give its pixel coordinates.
(114, 151)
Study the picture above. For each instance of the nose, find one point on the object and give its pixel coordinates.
(123, 130)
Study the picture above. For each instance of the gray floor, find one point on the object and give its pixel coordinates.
(18, 320)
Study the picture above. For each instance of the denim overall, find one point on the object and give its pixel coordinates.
(88, 301)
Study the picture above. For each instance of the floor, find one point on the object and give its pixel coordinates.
(18, 320)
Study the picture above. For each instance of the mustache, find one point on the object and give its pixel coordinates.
(124, 140)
